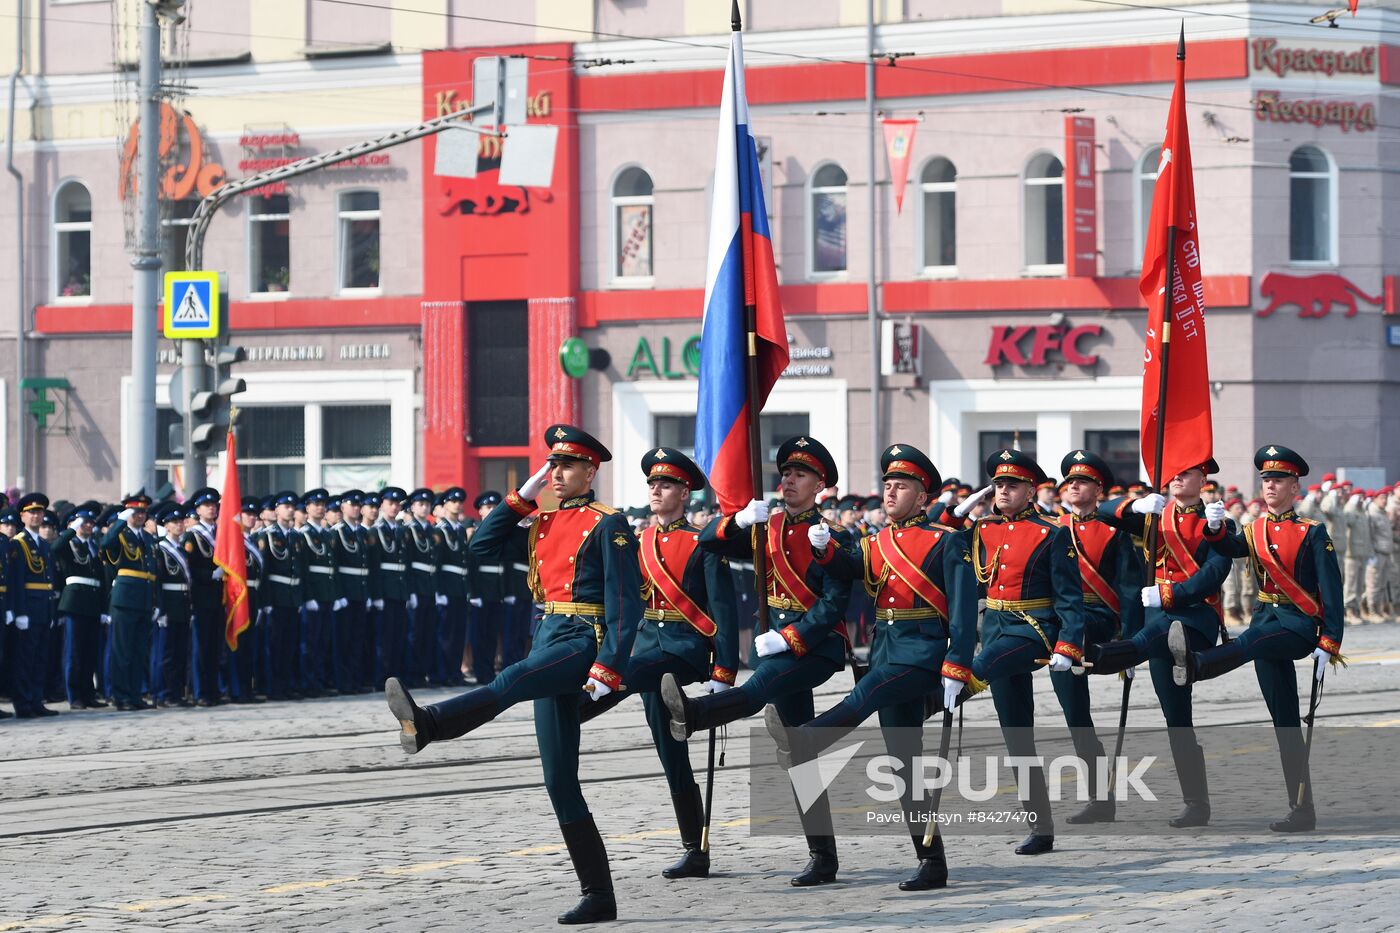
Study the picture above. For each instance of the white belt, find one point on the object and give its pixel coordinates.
(317, 568)
(492, 568)
(397, 568)
(286, 581)
(426, 568)
(453, 568)
(523, 568)
(253, 584)
(175, 587)
(85, 581)
(355, 571)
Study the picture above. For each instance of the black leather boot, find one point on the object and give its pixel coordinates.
(1190, 666)
(1190, 761)
(1100, 808)
(590, 860)
(795, 744)
(419, 725)
(933, 865)
(1110, 657)
(690, 817)
(1302, 817)
(707, 712)
(589, 708)
(821, 867)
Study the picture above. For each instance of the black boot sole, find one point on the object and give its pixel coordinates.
(675, 702)
(692, 865)
(403, 708)
(1176, 643)
(1036, 845)
(811, 879)
(592, 909)
(773, 721)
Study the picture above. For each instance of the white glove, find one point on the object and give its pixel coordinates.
(968, 504)
(369, 604)
(947, 496)
(441, 600)
(475, 601)
(509, 600)
(339, 604)
(155, 614)
(412, 601)
(77, 523)
(22, 623)
(1060, 662)
(1215, 515)
(378, 603)
(162, 621)
(9, 617)
(1150, 504)
(311, 605)
(1128, 672)
(1152, 597)
(125, 514)
(770, 643)
(105, 619)
(218, 574)
(951, 690)
(599, 690)
(1321, 657)
(819, 535)
(717, 686)
(753, 513)
(535, 484)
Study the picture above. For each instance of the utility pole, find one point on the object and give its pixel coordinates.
(871, 255)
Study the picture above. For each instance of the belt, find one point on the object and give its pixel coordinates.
(138, 574)
(1275, 599)
(1020, 605)
(426, 568)
(574, 609)
(663, 615)
(253, 584)
(175, 587)
(492, 568)
(38, 586)
(1092, 599)
(353, 571)
(786, 602)
(523, 568)
(4, 588)
(317, 568)
(396, 568)
(453, 568)
(285, 581)
(85, 581)
(893, 615)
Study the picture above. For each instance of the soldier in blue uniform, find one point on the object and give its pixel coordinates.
(281, 547)
(583, 567)
(1188, 574)
(917, 582)
(1028, 569)
(246, 678)
(488, 616)
(130, 553)
(1111, 571)
(206, 596)
(452, 588)
(420, 553)
(689, 631)
(82, 604)
(317, 574)
(9, 521)
(806, 642)
(174, 608)
(1298, 613)
(30, 587)
(350, 554)
(389, 568)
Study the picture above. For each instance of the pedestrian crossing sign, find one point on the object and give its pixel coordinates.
(191, 305)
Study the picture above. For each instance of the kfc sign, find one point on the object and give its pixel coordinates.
(1008, 344)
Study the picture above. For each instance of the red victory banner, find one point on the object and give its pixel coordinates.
(228, 549)
(899, 148)
(1176, 431)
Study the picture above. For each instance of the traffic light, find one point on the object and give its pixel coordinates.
(211, 408)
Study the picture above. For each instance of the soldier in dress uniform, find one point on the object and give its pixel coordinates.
(1046, 502)
(174, 608)
(281, 548)
(1298, 613)
(689, 631)
(206, 596)
(518, 606)
(388, 563)
(1112, 573)
(452, 587)
(9, 520)
(917, 582)
(488, 617)
(420, 553)
(82, 604)
(246, 673)
(1028, 569)
(1188, 576)
(30, 587)
(350, 554)
(583, 566)
(806, 642)
(369, 663)
(129, 551)
(317, 574)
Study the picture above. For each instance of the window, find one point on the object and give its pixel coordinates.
(1145, 183)
(632, 202)
(271, 449)
(1045, 215)
(355, 446)
(940, 228)
(175, 231)
(1120, 450)
(359, 240)
(989, 442)
(501, 474)
(270, 242)
(498, 371)
(72, 241)
(828, 220)
(1312, 216)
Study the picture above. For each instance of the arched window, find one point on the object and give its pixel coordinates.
(1312, 206)
(940, 227)
(1144, 184)
(72, 241)
(827, 217)
(358, 240)
(1045, 215)
(632, 203)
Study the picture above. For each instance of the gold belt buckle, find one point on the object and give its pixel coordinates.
(889, 615)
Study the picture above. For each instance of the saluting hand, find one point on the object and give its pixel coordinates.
(535, 484)
(968, 504)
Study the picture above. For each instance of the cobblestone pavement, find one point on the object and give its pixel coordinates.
(308, 816)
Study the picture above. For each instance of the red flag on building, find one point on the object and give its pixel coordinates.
(1175, 381)
(229, 554)
(899, 149)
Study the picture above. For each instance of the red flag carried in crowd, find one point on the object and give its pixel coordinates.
(1175, 380)
(1353, 4)
(229, 554)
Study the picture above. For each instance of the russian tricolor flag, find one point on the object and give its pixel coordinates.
(740, 273)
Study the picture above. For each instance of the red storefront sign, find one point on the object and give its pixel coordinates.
(1007, 344)
(1081, 199)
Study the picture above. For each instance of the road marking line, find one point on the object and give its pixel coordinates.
(57, 920)
(305, 885)
(432, 866)
(1040, 922)
(539, 850)
(143, 906)
(1384, 722)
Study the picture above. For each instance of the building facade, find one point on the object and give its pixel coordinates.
(406, 326)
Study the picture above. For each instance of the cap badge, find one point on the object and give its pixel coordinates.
(1079, 455)
(660, 453)
(895, 451)
(561, 434)
(1006, 455)
(801, 442)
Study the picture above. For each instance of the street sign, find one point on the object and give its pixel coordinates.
(191, 305)
(573, 358)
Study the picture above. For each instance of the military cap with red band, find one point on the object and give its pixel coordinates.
(1014, 464)
(567, 442)
(670, 464)
(809, 454)
(911, 462)
(1086, 464)
(1275, 460)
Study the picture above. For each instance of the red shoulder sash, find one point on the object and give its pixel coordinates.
(670, 587)
(911, 573)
